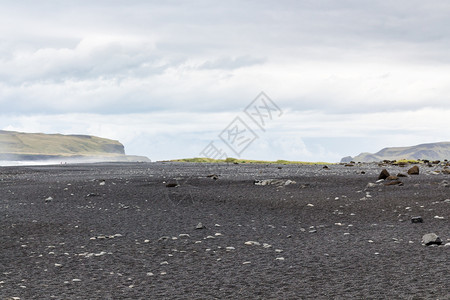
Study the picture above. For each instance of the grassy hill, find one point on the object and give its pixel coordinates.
(37, 146)
(245, 161)
(431, 151)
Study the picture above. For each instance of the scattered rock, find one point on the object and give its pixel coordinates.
(200, 226)
(401, 175)
(277, 182)
(49, 199)
(371, 185)
(392, 177)
(252, 243)
(431, 239)
(384, 174)
(416, 219)
(444, 183)
(92, 195)
(171, 184)
(325, 167)
(414, 170)
(213, 176)
(446, 171)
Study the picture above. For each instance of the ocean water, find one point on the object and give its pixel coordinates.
(10, 163)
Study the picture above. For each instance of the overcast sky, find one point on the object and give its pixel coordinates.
(167, 77)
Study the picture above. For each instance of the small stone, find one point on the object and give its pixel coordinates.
(246, 262)
(416, 219)
(310, 205)
(150, 274)
(431, 239)
(49, 199)
(76, 280)
(279, 258)
(444, 183)
(252, 243)
(439, 218)
(200, 226)
(230, 248)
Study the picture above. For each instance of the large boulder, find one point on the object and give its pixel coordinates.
(384, 174)
(414, 171)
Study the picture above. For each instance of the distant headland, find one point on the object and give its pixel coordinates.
(20, 146)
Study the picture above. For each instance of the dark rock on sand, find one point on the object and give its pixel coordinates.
(384, 174)
(444, 183)
(431, 239)
(213, 176)
(417, 219)
(401, 175)
(414, 170)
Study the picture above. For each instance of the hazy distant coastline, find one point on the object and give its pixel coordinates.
(18, 148)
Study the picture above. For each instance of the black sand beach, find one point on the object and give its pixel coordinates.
(117, 231)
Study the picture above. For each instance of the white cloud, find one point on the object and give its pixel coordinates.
(142, 71)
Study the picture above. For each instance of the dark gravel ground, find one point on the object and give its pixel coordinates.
(112, 231)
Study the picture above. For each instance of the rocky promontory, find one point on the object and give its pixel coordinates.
(20, 146)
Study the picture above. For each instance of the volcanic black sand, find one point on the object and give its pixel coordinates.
(117, 231)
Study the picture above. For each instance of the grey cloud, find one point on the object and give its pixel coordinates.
(232, 63)
(168, 55)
